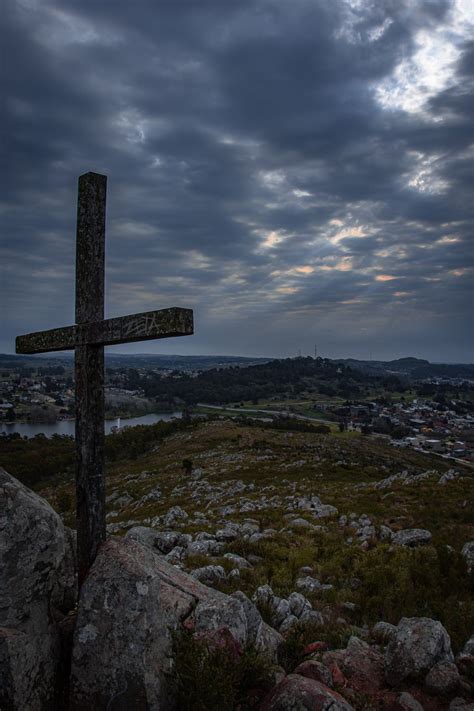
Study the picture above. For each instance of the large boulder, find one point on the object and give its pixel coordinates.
(131, 603)
(299, 693)
(417, 645)
(37, 587)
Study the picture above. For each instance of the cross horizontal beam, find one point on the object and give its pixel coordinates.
(146, 326)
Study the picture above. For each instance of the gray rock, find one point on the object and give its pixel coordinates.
(37, 585)
(204, 536)
(209, 574)
(253, 616)
(299, 693)
(408, 703)
(468, 649)
(312, 617)
(311, 585)
(174, 515)
(313, 669)
(459, 704)
(211, 547)
(176, 555)
(256, 537)
(249, 527)
(281, 610)
(385, 533)
(412, 537)
(468, 555)
(237, 560)
(382, 632)
(300, 523)
(298, 604)
(324, 511)
(288, 623)
(418, 644)
(443, 679)
(163, 541)
(450, 475)
(263, 595)
(227, 534)
(131, 602)
(261, 635)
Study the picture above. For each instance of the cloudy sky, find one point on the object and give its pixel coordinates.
(297, 171)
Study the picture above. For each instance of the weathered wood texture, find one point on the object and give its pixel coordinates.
(149, 325)
(90, 248)
(89, 371)
(90, 460)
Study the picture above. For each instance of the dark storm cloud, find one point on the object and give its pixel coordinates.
(260, 169)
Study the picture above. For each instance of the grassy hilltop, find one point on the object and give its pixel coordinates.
(220, 470)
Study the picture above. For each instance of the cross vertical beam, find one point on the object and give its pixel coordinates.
(89, 371)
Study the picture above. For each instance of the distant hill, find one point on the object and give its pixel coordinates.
(132, 360)
(409, 367)
(414, 368)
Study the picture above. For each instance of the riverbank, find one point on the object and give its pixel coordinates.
(66, 427)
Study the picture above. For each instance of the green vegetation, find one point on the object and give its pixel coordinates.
(212, 677)
(241, 467)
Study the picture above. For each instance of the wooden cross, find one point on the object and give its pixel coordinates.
(88, 338)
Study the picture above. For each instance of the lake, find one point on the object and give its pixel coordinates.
(66, 427)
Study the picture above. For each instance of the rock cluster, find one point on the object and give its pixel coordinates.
(137, 597)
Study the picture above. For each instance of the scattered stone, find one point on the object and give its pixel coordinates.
(311, 585)
(459, 704)
(288, 623)
(281, 610)
(412, 537)
(300, 523)
(204, 536)
(302, 694)
(361, 665)
(468, 555)
(468, 649)
(174, 515)
(298, 604)
(261, 635)
(237, 560)
(417, 645)
(408, 703)
(385, 533)
(450, 475)
(312, 669)
(209, 574)
(312, 617)
(208, 547)
(163, 541)
(443, 679)
(263, 595)
(227, 534)
(177, 555)
(383, 632)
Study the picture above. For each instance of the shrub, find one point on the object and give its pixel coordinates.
(209, 679)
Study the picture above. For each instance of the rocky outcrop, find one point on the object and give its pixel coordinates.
(37, 588)
(417, 645)
(131, 603)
